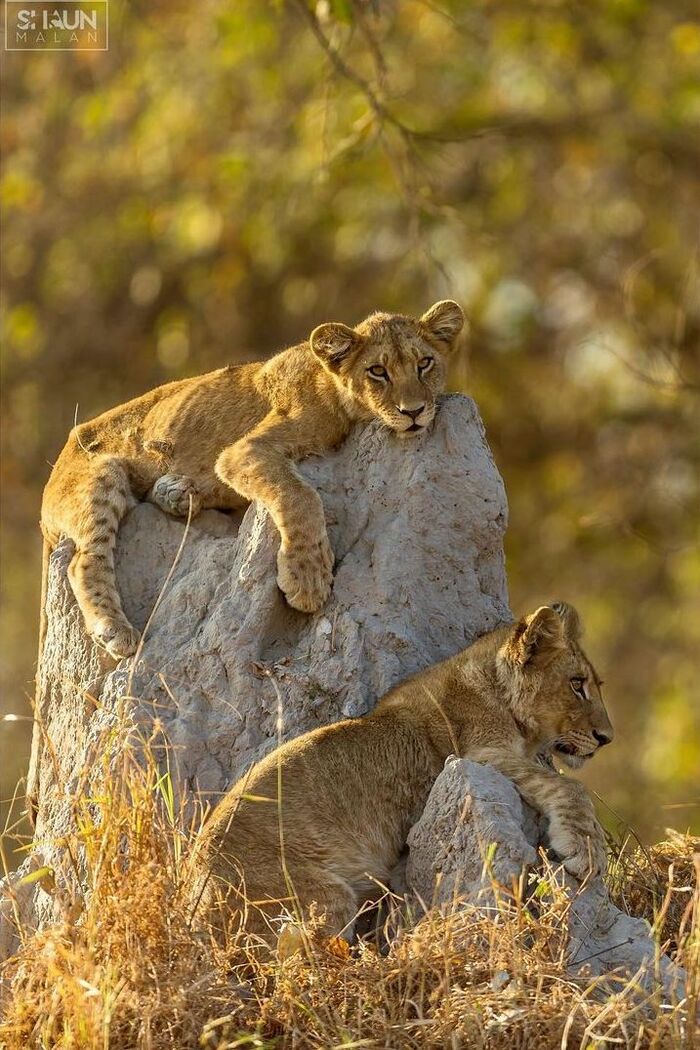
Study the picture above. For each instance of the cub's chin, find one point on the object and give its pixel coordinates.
(572, 761)
(569, 757)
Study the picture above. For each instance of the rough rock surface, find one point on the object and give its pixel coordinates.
(417, 528)
(474, 813)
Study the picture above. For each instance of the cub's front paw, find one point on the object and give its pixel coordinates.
(582, 850)
(304, 574)
(118, 639)
(174, 493)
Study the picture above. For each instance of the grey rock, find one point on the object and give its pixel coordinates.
(476, 831)
(451, 856)
(227, 668)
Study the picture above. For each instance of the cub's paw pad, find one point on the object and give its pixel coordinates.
(173, 493)
(118, 639)
(304, 575)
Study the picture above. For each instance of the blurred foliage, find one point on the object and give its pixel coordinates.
(229, 175)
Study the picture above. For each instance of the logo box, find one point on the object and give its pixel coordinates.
(67, 25)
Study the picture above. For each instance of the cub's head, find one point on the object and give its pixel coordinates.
(553, 687)
(391, 367)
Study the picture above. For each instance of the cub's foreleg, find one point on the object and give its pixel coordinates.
(101, 500)
(574, 832)
(259, 466)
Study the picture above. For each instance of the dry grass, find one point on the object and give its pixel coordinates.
(125, 969)
(659, 884)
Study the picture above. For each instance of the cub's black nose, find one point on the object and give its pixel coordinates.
(602, 738)
(412, 412)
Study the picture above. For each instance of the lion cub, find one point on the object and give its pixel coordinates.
(232, 436)
(325, 817)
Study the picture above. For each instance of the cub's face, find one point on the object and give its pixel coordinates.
(554, 686)
(392, 367)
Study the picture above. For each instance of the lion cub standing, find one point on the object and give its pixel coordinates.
(339, 801)
(223, 439)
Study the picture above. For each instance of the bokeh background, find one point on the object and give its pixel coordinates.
(229, 175)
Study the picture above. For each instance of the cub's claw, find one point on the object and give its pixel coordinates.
(582, 852)
(586, 860)
(304, 575)
(173, 494)
(120, 640)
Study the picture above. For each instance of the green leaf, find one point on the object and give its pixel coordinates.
(544, 888)
(35, 876)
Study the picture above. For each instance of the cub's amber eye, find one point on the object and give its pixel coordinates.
(378, 372)
(578, 685)
(425, 363)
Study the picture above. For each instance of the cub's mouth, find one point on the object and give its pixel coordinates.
(571, 755)
(415, 428)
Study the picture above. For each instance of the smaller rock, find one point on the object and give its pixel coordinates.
(470, 808)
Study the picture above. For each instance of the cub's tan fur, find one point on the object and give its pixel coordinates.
(350, 792)
(223, 439)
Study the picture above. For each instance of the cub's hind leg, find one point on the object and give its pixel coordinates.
(176, 494)
(324, 901)
(332, 906)
(329, 898)
(103, 499)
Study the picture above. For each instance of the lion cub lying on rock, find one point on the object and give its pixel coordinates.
(324, 817)
(232, 436)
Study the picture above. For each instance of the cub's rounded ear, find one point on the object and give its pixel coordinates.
(333, 341)
(573, 628)
(443, 322)
(536, 638)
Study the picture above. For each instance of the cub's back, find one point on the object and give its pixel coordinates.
(341, 779)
